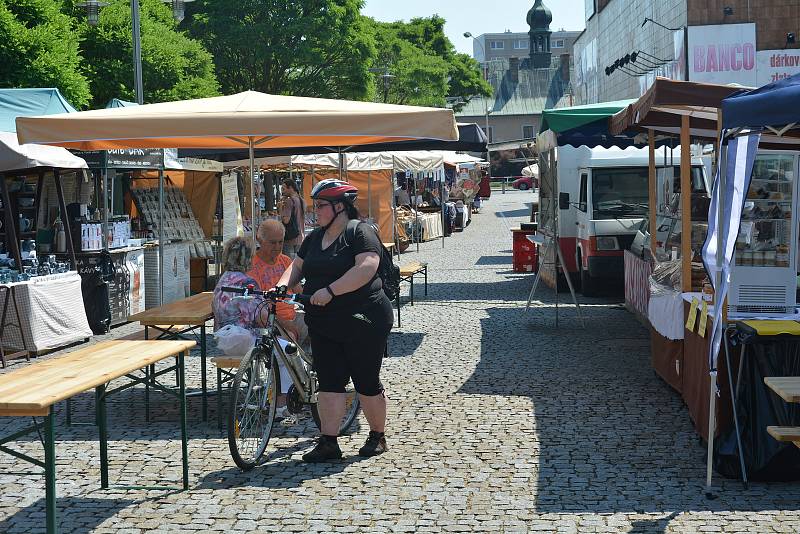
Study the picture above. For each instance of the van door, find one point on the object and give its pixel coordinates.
(583, 212)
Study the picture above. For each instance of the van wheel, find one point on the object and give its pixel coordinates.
(588, 284)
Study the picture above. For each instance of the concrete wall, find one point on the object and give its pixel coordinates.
(505, 127)
(773, 18)
(617, 30)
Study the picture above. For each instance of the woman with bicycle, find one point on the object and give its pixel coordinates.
(348, 318)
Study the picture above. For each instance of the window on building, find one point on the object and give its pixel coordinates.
(521, 44)
(527, 131)
(558, 43)
(497, 45)
(489, 133)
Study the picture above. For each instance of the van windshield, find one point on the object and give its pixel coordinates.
(619, 193)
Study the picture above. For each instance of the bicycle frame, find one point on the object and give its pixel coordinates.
(304, 379)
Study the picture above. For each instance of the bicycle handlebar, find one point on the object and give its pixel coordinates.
(278, 294)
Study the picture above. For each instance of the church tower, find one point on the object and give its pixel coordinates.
(539, 19)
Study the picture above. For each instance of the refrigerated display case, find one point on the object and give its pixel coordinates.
(764, 273)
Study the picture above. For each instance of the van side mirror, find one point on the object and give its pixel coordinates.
(563, 201)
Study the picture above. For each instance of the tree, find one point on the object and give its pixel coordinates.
(300, 47)
(417, 64)
(174, 67)
(38, 48)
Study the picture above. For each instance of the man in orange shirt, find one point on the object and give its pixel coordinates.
(269, 263)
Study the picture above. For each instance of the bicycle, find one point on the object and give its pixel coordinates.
(256, 385)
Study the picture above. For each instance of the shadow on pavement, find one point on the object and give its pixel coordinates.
(278, 471)
(513, 213)
(494, 260)
(71, 515)
(611, 436)
(402, 344)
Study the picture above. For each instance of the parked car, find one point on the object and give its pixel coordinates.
(523, 183)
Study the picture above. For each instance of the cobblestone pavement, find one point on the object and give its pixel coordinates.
(498, 422)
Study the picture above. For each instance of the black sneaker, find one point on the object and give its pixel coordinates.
(375, 445)
(326, 449)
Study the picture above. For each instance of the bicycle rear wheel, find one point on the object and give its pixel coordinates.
(352, 408)
(252, 408)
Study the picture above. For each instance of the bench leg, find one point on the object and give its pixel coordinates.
(426, 280)
(50, 471)
(203, 370)
(100, 401)
(411, 291)
(184, 444)
(219, 399)
(398, 309)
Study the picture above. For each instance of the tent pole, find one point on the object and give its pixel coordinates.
(313, 183)
(441, 198)
(416, 213)
(394, 213)
(341, 164)
(161, 236)
(104, 241)
(369, 193)
(253, 201)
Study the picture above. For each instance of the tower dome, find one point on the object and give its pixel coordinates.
(539, 17)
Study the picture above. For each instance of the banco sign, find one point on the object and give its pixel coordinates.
(724, 53)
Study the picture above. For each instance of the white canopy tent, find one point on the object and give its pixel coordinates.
(15, 156)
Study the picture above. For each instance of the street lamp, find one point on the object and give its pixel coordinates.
(92, 8)
(178, 8)
(469, 35)
(93, 15)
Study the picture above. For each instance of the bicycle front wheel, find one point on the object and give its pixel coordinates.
(251, 413)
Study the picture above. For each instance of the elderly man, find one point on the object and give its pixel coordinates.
(269, 263)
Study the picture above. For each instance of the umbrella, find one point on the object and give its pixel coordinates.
(249, 119)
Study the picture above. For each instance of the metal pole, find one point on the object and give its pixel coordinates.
(104, 240)
(137, 53)
(369, 193)
(394, 213)
(416, 212)
(253, 201)
(441, 199)
(161, 237)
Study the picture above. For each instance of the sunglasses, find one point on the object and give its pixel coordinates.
(271, 242)
(319, 206)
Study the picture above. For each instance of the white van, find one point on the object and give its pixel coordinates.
(603, 200)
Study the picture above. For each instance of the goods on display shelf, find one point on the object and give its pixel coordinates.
(179, 220)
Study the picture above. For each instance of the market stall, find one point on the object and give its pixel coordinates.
(750, 222)
(37, 310)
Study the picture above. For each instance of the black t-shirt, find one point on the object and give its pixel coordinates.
(323, 267)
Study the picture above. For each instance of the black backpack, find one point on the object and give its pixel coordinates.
(388, 272)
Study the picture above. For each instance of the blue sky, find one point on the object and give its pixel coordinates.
(477, 16)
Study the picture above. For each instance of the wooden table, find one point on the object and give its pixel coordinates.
(33, 390)
(788, 387)
(186, 315)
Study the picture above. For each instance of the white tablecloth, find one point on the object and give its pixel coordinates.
(665, 313)
(431, 225)
(52, 313)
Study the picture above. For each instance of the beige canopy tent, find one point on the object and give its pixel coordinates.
(371, 172)
(251, 119)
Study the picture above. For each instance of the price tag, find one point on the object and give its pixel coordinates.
(692, 319)
(703, 319)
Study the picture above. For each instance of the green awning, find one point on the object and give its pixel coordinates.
(563, 119)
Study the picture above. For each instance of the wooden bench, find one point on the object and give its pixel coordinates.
(407, 273)
(788, 388)
(411, 269)
(33, 390)
(785, 433)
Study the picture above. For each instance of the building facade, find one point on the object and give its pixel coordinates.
(509, 45)
(749, 42)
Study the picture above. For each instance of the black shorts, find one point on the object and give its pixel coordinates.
(351, 346)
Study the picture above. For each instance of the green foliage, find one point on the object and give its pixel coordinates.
(300, 47)
(174, 67)
(38, 48)
(417, 64)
